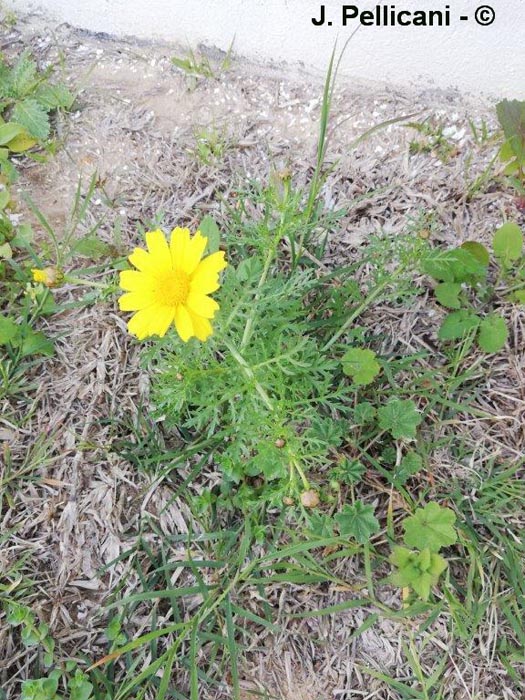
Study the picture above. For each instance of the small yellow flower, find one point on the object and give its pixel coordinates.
(49, 276)
(171, 285)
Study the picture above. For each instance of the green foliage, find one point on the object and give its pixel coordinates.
(400, 418)
(33, 633)
(430, 527)
(464, 285)
(431, 140)
(511, 115)
(361, 365)
(357, 521)
(493, 333)
(417, 570)
(429, 530)
(27, 97)
(411, 464)
(508, 244)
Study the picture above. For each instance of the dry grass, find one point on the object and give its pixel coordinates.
(80, 505)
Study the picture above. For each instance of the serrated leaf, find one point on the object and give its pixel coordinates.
(36, 343)
(33, 117)
(447, 293)
(361, 365)
(493, 333)
(23, 75)
(320, 524)
(23, 237)
(508, 242)
(8, 330)
(411, 464)
(364, 412)
(478, 251)
(5, 198)
(400, 418)
(430, 527)
(54, 96)
(457, 324)
(357, 521)
(457, 265)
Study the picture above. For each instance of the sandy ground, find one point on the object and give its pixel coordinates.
(136, 123)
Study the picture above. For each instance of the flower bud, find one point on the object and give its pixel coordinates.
(49, 276)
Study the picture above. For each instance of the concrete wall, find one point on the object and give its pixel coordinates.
(489, 59)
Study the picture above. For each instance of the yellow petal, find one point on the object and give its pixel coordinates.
(134, 301)
(207, 270)
(143, 261)
(138, 324)
(202, 305)
(179, 242)
(201, 327)
(159, 250)
(205, 283)
(134, 281)
(194, 252)
(183, 323)
(161, 318)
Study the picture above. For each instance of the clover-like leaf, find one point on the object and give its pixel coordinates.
(357, 521)
(493, 333)
(361, 365)
(400, 418)
(457, 324)
(431, 527)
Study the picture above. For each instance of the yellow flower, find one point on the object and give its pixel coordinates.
(171, 284)
(49, 276)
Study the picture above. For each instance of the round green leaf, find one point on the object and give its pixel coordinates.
(447, 293)
(457, 324)
(361, 365)
(493, 333)
(430, 527)
(508, 242)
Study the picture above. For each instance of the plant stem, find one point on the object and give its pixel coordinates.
(249, 323)
(356, 313)
(249, 373)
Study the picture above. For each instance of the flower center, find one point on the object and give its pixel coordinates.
(173, 288)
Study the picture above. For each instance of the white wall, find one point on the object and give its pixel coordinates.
(472, 57)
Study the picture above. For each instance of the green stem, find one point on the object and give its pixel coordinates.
(295, 464)
(250, 375)
(356, 313)
(251, 317)
(84, 283)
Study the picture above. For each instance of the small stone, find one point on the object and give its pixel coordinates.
(310, 498)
